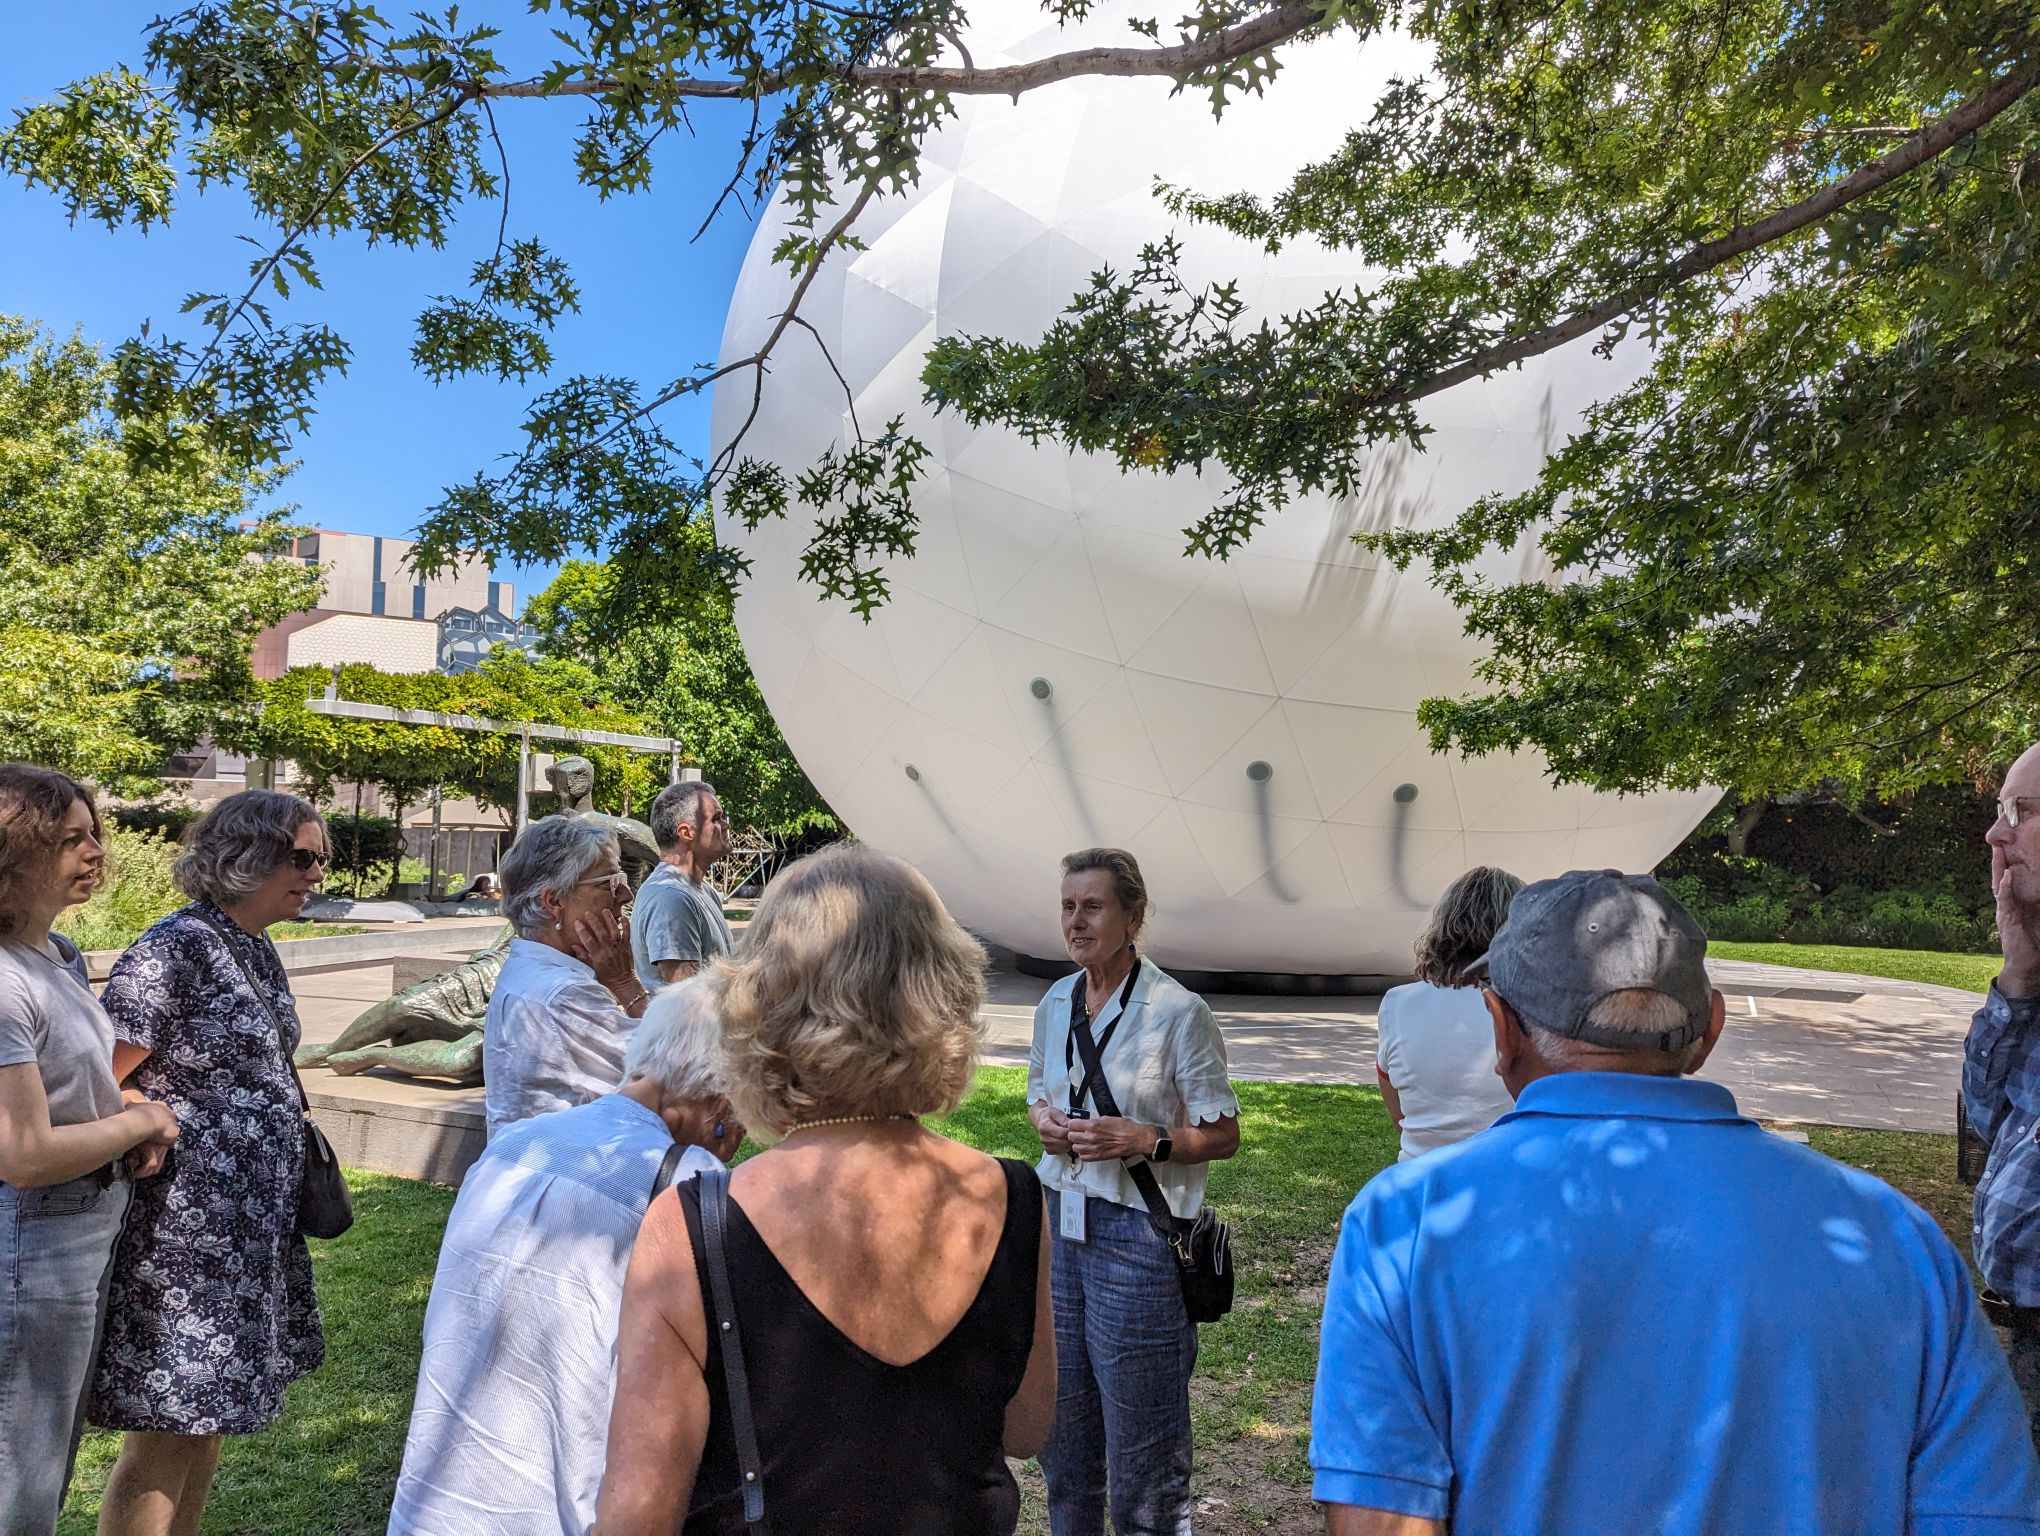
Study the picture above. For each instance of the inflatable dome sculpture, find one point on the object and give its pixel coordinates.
(1051, 670)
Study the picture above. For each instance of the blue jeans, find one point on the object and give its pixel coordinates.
(2024, 1353)
(56, 1258)
(1124, 1349)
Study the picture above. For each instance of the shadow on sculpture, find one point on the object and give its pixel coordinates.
(433, 1028)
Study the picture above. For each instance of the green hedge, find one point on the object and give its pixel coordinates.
(1817, 875)
(169, 822)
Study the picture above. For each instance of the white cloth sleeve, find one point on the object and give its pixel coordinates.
(1202, 1081)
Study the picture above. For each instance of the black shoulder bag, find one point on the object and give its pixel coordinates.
(714, 1187)
(1203, 1246)
(324, 1208)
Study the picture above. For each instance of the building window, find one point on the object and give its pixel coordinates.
(376, 598)
(496, 594)
(418, 600)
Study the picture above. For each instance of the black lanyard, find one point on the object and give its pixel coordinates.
(1079, 1016)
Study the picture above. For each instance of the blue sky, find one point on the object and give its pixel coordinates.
(387, 439)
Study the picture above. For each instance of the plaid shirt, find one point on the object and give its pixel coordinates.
(2001, 1091)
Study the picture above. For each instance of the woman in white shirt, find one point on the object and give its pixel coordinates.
(563, 1009)
(511, 1416)
(1435, 1055)
(1122, 1335)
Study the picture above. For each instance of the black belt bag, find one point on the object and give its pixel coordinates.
(1203, 1244)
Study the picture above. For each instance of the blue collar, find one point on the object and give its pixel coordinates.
(1626, 1095)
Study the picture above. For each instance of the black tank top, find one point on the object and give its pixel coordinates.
(853, 1446)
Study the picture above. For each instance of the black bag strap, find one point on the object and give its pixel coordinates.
(262, 997)
(668, 1165)
(715, 1195)
(1164, 1220)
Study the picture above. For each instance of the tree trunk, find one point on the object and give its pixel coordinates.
(1747, 820)
(397, 851)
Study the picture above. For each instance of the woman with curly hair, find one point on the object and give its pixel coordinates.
(1435, 1054)
(67, 1146)
(212, 1313)
(890, 1285)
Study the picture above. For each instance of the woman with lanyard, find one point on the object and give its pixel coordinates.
(67, 1145)
(1124, 1343)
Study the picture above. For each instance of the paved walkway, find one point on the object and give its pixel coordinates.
(1806, 1046)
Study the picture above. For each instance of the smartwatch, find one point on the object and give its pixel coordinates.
(1163, 1146)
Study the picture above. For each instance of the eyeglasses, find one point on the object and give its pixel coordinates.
(2009, 809)
(305, 858)
(616, 880)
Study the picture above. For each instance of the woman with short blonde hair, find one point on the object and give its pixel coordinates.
(857, 994)
(1126, 1343)
(889, 1285)
(1434, 1054)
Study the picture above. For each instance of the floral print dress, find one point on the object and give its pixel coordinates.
(212, 1312)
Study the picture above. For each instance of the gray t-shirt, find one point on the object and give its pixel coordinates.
(49, 1016)
(674, 918)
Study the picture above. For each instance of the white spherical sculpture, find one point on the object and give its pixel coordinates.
(1052, 672)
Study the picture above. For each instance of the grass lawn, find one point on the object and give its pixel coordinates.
(328, 1465)
(299, 929)
(1972, 973)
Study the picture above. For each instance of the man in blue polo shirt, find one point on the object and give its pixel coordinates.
(1626, 1308)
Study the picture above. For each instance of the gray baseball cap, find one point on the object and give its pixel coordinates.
(1569, 942)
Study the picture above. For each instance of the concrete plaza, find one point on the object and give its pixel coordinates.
(1806, 1047)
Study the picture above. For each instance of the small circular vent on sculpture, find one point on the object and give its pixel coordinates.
(1032, 563)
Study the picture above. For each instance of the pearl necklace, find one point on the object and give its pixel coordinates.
(810, 1125)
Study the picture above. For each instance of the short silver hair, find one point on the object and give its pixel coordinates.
(237, 844)
(678, 1041)
(553, 854)
(678, 805)
(1639, 1010)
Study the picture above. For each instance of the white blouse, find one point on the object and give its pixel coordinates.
(554, 1036)
(1165, 1063)
(1437, 1051)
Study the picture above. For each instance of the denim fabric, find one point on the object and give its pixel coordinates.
(2001, 1090)
(1124, 1350)
(56, 1255)
(2024, 1352)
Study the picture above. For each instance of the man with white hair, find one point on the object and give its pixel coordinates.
(2001, 1079)
(512, 1413)
(1625, 1307)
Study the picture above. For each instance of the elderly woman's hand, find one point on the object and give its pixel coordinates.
(603, 945)
(1052, 1126)
(1105, 1137)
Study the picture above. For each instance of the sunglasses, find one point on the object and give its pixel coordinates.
(304, 858)
(617, 881)
(2010, 809)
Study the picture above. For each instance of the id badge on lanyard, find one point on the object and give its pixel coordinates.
(1071, 1202)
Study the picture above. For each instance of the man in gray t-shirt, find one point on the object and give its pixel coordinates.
(676, 918)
